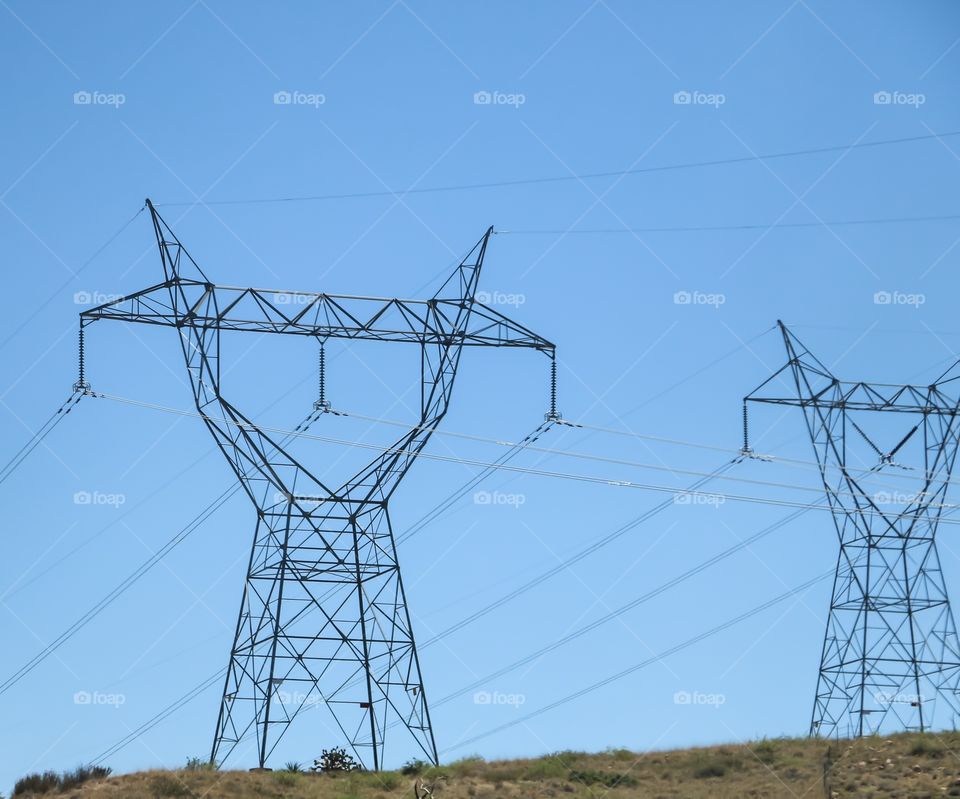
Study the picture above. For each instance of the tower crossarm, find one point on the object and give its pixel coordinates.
(841, 395)
(185, 303)
(811, 385)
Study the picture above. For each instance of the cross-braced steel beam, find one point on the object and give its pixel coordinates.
(891, 658)
(323, 618)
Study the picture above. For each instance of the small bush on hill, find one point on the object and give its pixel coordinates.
(50, 781)
(545, 768)
(414, 766)
(336, 759)
(37, 783)
(765, 751)
(924, 747)
(82, 774)
(606, 778)
(467, 766)
(199, 764)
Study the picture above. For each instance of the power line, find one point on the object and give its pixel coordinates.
(713, 362)
(890, 220)
(572, 476)
(564, 565)
(195, 523)
(635, 464)
(644, 663)
(431, 516)
(449, 631)
(161, 716)
(127, 582)
(21, 585)
(857, 472)
(576, 634)
(631, 605)
(207, 683)
(42, 432)
(583, 176)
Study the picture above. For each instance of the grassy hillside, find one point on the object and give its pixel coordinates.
(900, 766)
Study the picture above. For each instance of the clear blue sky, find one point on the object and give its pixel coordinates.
(398, 80)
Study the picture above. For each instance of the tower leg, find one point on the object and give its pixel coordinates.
(891, 651)
(324, 621)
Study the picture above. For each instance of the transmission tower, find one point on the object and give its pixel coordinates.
(890, 653)
(323, 611)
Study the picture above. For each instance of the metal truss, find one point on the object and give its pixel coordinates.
(891, 658)
(324, 618)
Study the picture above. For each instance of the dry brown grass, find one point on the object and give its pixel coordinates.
(899, 767)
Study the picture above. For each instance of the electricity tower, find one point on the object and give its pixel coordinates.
(323, 613)
(890, 653)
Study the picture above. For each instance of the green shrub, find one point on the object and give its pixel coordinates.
(336, 759)
(716, 763)
(710, 770)
(414, 766)
(466, 766)
(924, 747)
(568, 755)
(50, 781)
(608, 779)
(294, 767)
(82, 774)
(199, 764)
(37, 783)
(545, 768)
(765, 751)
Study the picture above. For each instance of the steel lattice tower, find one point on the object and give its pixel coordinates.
(323, 608)
(890, 653)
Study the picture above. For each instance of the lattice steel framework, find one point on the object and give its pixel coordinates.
(891, 658)
(323, 611)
